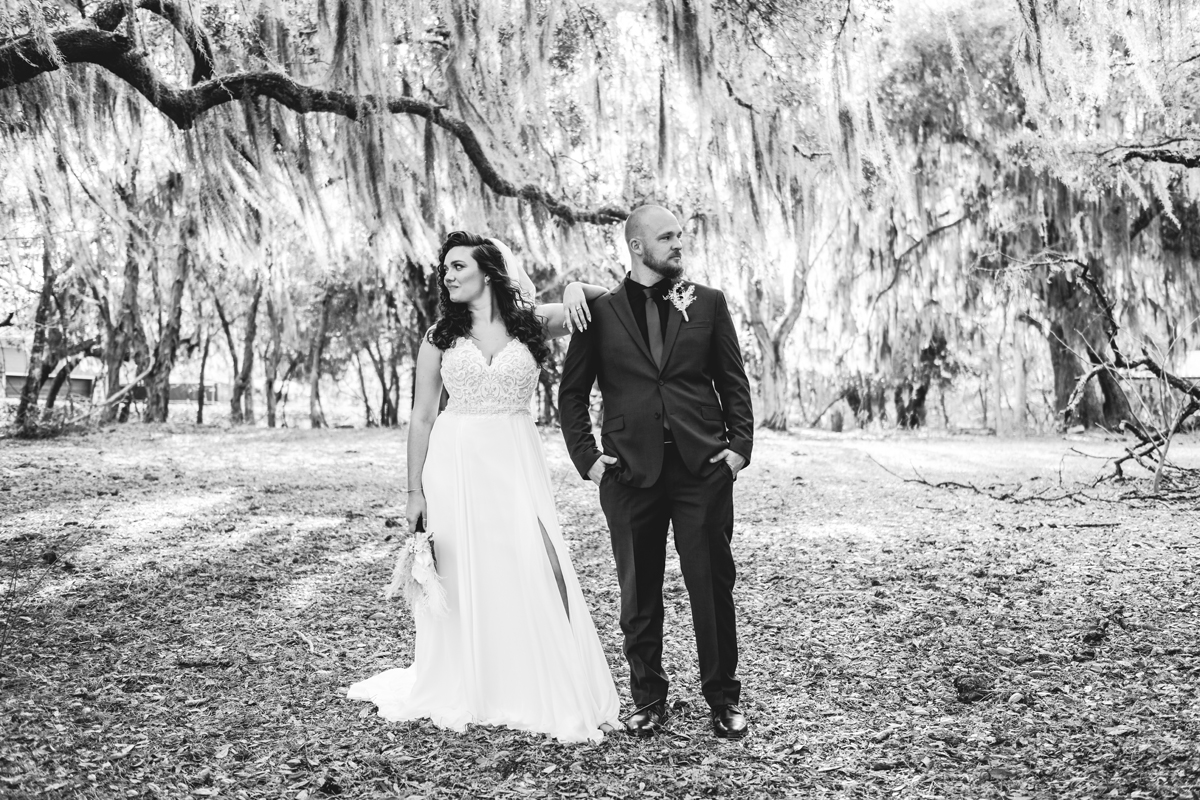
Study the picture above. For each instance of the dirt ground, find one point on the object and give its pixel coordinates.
(185, 607)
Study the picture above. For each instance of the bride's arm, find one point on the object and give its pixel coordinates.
(428, 393)
(559, 319)
(572, 314)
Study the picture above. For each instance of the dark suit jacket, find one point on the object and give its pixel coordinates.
(702, 388)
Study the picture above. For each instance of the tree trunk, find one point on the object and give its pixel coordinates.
(983, 400)
(316, 350)
(387, 411)
(1076, 333)
(203, 388)
(998, 385)
(158, 383)
(1067, 371)
(270, 369)
(1114, 403)
(63, 376)
(909, 397)
(1021, 421)
(241, 398)
(125, 405)
(123, 335)
(362, 386)
(549, 414)
(235, 408)
(247, 381)
(763, 302)
(394, 383)
(271, 360)
(280, 397)
(422, 293)
(27, 407)
(114, 357)
(773, 386)
(52, 354)
(857, 400)
(391, 385)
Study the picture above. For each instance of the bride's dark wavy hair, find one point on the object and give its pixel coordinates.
(517, 312)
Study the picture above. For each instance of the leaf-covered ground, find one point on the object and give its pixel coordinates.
(203, 598)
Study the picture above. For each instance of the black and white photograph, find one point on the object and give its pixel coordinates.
(678, 399)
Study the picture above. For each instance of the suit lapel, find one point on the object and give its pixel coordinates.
(674, 320)
(620, 306)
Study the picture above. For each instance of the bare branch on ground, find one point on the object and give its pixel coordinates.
(996, 492)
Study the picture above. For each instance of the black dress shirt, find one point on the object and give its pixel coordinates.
(636, 293)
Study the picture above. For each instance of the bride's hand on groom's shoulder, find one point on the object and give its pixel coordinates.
(576, 314)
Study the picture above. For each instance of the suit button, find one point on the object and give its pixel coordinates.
(657, 415)
(660, 383)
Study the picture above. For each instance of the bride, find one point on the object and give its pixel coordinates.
(517, 646)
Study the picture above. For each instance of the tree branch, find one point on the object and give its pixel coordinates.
(24, 60)
(1077, 393)
(88, 347)
(1146, 216)
(1025, 317)
(899, 260)
(115, 397)
(1162, 156)
(1111, 329)
(112, 14)
(813, 422)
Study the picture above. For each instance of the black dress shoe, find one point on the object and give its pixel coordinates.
(729, 722)
(647, 720)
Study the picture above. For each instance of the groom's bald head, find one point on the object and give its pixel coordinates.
(643, 221)
(655, 242)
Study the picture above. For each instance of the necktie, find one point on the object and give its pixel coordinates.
(654, 327)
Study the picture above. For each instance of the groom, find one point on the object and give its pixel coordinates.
(677, 429)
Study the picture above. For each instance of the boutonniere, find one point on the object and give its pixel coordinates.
(682, 296)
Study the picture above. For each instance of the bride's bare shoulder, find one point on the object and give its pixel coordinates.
(430, 350)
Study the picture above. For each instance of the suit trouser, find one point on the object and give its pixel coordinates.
(701, 513)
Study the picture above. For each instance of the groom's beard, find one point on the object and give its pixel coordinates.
(669, 268)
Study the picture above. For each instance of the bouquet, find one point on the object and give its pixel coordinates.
(416, 574)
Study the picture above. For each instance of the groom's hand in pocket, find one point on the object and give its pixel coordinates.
(602, 465)
(732, 460)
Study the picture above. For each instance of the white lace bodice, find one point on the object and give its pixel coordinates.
(503, 387)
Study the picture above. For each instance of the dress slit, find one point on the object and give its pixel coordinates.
(552, 554)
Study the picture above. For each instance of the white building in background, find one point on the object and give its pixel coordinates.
(1191, 366)
(14, 368)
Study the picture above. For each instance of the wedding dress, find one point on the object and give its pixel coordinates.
(507, 652)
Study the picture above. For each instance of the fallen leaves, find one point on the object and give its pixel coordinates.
(208, 664)
(973, 688)
(122, 752)
(1120, 730)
